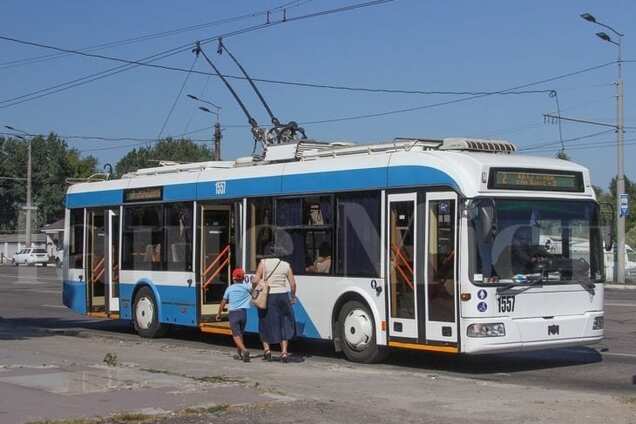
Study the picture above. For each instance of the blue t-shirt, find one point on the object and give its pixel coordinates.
(238, 296)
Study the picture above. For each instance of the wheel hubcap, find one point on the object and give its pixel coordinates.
(144, 313)
(358, 329)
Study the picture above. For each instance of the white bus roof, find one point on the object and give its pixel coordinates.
(313, 167)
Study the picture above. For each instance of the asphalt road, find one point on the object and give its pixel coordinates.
(31, 297)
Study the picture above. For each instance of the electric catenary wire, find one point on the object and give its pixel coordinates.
(161, 55)
(152, 36)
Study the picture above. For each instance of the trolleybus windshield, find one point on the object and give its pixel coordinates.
(530, 240)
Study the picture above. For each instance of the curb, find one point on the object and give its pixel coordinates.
(626, 286)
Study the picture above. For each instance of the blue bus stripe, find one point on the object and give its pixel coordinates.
(315, 182)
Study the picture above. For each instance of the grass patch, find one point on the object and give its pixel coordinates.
(111, 359)
(130, 417)
(218, 379)
(66, 421)
(155, 371)
(122, 418)
(205, 410)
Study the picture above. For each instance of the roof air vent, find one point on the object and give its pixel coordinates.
(478, 145)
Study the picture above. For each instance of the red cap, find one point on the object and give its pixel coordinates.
(238, 274)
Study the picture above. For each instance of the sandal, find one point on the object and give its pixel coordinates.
(284, 358)
(246, 356)
(267, 355)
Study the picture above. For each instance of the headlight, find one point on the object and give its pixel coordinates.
(496, 329)
(599, 323)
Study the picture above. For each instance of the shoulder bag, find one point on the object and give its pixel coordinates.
(259, 297)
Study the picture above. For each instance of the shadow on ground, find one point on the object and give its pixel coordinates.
(480, 365)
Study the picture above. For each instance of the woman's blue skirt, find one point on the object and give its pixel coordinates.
(276, 323)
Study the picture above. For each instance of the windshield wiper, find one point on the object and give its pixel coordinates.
(531, 282)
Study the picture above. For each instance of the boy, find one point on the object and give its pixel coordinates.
(238, 296)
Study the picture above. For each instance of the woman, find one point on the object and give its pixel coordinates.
(276, 322)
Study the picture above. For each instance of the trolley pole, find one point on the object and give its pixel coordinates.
(216, 154)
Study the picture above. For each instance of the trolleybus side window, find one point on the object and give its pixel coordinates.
(142, 238)
(304, 228)
(178, 236)
(358, 234)
(76, 239)
(260, 230)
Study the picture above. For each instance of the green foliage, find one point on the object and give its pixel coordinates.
(181, 150)
(610, 197)
(52, 163)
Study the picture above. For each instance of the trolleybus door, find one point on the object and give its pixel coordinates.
(113, 259)
(403, 263)
(441, 267)
(216, 256)
(96, 260)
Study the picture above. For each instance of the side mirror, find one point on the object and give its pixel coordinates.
(487, 219)
(606, 221)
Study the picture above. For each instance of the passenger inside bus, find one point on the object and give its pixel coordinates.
(322, 263)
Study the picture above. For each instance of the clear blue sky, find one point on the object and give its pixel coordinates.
(407, 44)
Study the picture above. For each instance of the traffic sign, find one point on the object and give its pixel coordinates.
(624, 205)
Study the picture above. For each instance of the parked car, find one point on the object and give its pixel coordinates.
(31, 256)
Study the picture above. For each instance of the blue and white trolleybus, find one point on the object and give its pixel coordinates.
(455, 245)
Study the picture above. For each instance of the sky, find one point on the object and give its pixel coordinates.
(403, 44)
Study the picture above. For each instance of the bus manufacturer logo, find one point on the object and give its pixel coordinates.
(220, 187)
(553, 330)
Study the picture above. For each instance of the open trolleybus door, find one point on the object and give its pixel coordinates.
(216, 257)
(441, 267)
(95, 263)
(402, 265)
(112, 259)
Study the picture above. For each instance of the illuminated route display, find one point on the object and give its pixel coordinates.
(535, 179)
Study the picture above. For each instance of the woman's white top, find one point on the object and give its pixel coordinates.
(278, 281)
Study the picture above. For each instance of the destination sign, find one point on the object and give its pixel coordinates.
(535, 179)
(145, 194)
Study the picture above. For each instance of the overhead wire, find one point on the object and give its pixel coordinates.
(152, 36)
(176, 100)
(148, 61)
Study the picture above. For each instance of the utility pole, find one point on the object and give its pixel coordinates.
(216, 143)
(29, 205)
(28, 199)
(621, 212)
(216, 154)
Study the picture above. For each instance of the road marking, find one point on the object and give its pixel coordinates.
(628, 305)
(54, 306)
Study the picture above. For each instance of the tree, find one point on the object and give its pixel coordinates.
(52, 163)
(630, 221)
(182, 150)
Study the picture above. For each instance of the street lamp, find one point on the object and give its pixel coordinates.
(620, 172)
(29, 206)
(216, 153)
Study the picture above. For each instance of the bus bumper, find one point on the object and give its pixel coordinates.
(524, 334)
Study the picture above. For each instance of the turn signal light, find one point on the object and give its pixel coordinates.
(465, 297)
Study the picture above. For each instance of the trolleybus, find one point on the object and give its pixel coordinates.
(455, 245)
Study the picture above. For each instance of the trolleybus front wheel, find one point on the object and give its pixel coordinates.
(146, 314)
(357, 332)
